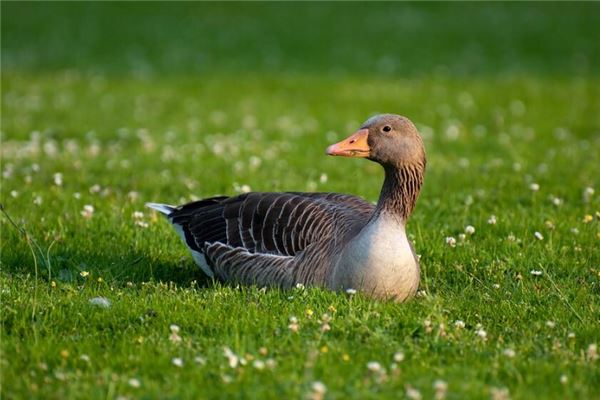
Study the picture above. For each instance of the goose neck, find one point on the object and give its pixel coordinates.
(400, 191)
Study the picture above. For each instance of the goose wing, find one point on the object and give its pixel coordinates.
(273, 239)
(277, 224)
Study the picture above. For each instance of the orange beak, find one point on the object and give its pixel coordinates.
(354, 146)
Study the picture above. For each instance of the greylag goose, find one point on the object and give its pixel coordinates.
(331, 240)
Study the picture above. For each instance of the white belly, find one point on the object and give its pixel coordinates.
(378, 261)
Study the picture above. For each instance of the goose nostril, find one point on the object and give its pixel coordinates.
(352, 141)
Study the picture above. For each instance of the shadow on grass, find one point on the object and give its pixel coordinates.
(29, 257)
(115, 269)
(137, 268)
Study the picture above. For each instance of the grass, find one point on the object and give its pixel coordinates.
(133, 103)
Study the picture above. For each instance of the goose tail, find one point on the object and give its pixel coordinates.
(164, 209)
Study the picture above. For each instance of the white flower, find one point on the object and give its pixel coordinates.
(538, 236)
(351, 291)
(451, 241)
(481, 333)
(427, 326)
(299, 286)
(555, 200)
(133, 195)
(571, 335)
(245, 189)
(452, 132)
(61, 376)
(441, 389)
(496, 286)
(259, 365)
(254, 162)
(398, 356)
(323, 178)
(534, 187)
(95, 188)
(37, 200)
(592, 352)
(88, 211)
(500, 394)
(200, 360)
(138, 215)
(319, 387)
(462, 237)
(294, 326)
(374, 366)
(8, 171)
(535, 272)
(564, 379)
(142, 224)
(510, 353)
(459, 324)
(58, 179)
(413, 393)
(101, 302)
(231, 357)
(178, 362)
(492, 220)
(14, 193)
(270, 363)
(550, 324)
(174, 337)
(469, 230)
(588, 192)
(84, 358)
(134, 383)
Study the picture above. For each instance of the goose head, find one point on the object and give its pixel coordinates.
(388, 139)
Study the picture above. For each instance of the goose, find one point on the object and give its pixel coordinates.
(330, 240)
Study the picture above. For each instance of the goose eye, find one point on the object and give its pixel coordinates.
(387, 128)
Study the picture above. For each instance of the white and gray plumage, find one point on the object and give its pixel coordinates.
(331, 240)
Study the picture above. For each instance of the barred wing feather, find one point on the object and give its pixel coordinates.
(270, 238)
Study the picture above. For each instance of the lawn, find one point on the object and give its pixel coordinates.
(106, 106)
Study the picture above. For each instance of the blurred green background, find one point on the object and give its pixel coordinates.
(364, 39)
